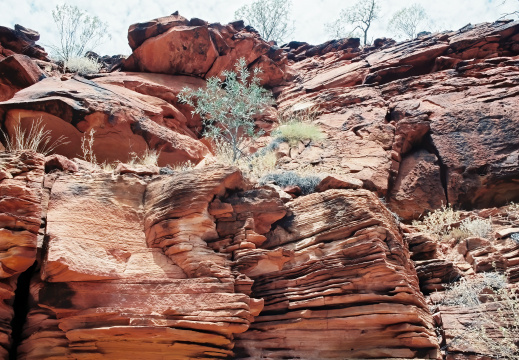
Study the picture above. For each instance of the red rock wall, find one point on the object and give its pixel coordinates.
(176, 266)
(21, 182)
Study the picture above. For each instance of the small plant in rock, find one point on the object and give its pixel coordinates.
(228, 106)
(87, 147)
(149, 157)
(296, 125)
(477, 227)
(83, 65)
(439, 222)
(36, 138)
(295, 132)
(307, 184)
(254, 166)
(466, 292)
(495, 329)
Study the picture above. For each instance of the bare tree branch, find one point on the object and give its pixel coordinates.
(271, 18)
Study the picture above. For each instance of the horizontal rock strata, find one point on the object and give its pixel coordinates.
(337, 282)
(21, 183)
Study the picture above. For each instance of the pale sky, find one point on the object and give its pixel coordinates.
(309, 15)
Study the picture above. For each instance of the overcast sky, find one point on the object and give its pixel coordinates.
(309, 15)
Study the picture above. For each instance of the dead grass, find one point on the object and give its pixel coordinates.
(148, 158)
(440, 222)
(36, 138)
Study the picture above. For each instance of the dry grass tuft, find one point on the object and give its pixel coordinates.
(35, 139)
(149, 157)
(439, 222)
(83, 65)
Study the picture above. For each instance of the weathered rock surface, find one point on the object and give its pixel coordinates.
(124, 121)
(21, 181)
(200, 49)
(17, 72)
(20, 40)
(201, 264)
(435, 114)
(141, 277)
(337, 282)
(178, 265)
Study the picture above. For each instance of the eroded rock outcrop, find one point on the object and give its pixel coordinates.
(176, 266)
(21, 181)
(200, 49)
(139, 277)
(337, 282)
(437, 112)
(124, 121)
(20, 40)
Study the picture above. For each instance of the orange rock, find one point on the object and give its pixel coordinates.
(20, 216)
(17, 72)
(124, 121)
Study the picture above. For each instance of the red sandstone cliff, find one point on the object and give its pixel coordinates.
(207, 264)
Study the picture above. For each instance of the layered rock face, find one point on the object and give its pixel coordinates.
(21, 182)
(438, 112)
(176, 266)
(127, 269)
(337, 283)
(202, 263)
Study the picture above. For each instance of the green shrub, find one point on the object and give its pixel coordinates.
(298, 131)
(307, 184)
(228, 106)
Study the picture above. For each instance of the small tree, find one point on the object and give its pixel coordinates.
(78, 32)
(228, 106)
(360, 17)
(406, 22)
(271, 18)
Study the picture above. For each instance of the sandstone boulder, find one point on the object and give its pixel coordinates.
(20, 40)
(17, 72)
(172, 45)
(124, 121)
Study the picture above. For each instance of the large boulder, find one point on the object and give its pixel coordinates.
(20, 40)
(172, 45)
(124, 121)
(17, 72)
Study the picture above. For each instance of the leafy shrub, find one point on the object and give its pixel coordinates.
(477, 227)
(227, 106)
(307, 184)
(439, 222)
(35, 139)
(83, 65)
(297, 131)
